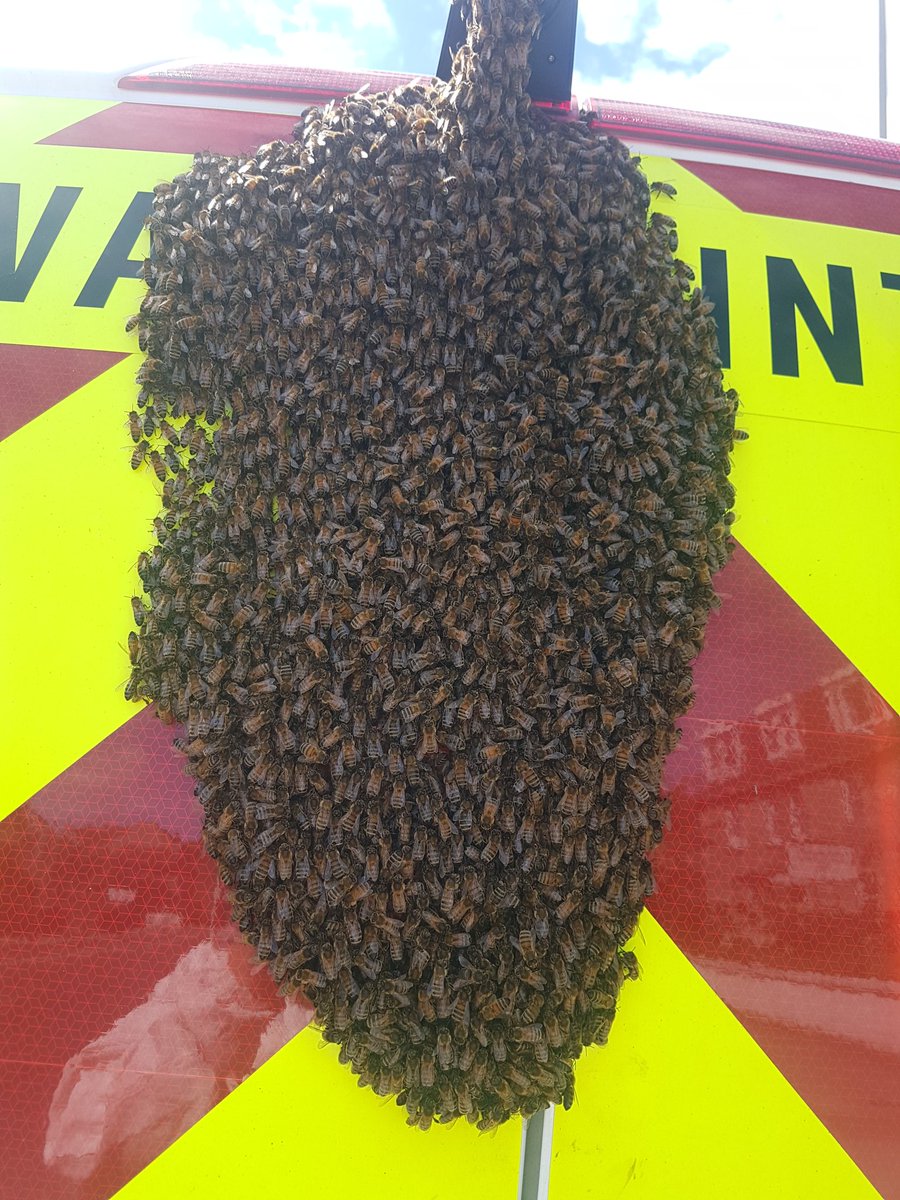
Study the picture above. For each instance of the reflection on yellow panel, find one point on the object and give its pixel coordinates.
(818, 509)
(684, 1105)
(301, 1125)
(73, 518)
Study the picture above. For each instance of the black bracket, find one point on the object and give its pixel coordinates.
(552, 55)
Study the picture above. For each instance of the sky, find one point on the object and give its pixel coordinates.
(803, 62)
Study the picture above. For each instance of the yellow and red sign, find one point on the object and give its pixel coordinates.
(780, 879)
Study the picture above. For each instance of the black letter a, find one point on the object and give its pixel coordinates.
(114, 263)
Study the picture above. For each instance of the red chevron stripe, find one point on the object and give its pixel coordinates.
(129, 1004)
(34, 378)
(175, 130)
(802, 197)
(778, 878)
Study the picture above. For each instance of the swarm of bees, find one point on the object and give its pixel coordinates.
(443, 445)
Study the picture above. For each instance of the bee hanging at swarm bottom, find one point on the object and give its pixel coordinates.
(435, 558)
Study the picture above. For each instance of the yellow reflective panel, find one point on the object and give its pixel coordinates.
(109, 181)
(73, 518)
(26, 120)
(817, 496)
(818, 508)
(684, 1105)
(301, 1125)
(707, 219)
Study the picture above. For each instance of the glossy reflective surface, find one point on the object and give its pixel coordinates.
(128, 1008)
(780, 876)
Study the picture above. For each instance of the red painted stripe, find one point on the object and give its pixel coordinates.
(803, 197)
(174, 129)
(279, 82)
(778, 878)
(264, 80)
(745, 135)
(720, 142)
(761, 645)
(625, 119)
(129, 1005)
(34, 378)
(780, 875)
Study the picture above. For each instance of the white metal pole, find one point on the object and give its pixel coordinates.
(882, 68)
(537, 1147)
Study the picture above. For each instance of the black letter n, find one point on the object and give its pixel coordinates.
(788, 295)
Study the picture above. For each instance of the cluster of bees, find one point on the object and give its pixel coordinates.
(444, 450)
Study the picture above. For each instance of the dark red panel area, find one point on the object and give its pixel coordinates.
(129, 1007)
(759, 645)
(173, 129)
(780, 876)
(745, 135)
(34, 378)
(803, 197)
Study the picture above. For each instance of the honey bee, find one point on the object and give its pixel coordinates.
(312, 752)
(134, 647)
(316, 646)
(492, 1010)
(420, 525)
(661, 188)
(428, 742)
(398, 897)
(563, 645)
(446, 828)
(426, 1069)
(624, 672)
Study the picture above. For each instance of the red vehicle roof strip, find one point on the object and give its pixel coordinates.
(647, 122)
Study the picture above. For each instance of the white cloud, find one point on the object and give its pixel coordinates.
(303, 41)
(607, 24)
(102, 37)
(372, 14)
(710, 21)
(99, 35)
(807, 62)
(803, 63)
